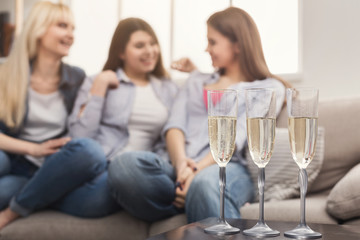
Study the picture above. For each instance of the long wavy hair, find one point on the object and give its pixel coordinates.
(14, 72)
(238, 26)
(121, 38)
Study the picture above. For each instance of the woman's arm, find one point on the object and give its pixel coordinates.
(175, 142)
(185, 167)
(17, 146)
(184, 65)
(205, 162)
(103, 81)
(84, 121)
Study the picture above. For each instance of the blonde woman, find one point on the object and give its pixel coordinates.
(39, 166)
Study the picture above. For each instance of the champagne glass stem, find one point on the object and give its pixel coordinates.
(261, 183)
(303, 181)
(222, 175)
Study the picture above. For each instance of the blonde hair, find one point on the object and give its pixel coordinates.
(14, 73)
(238, 26)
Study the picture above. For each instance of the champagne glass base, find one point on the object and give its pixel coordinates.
(222, 229)
(302, 232)
(261, 230)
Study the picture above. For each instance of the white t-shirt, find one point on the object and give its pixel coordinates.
(46, 119)
(146, 121)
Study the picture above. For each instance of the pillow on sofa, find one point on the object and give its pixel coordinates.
(281, 173)
(344, 199)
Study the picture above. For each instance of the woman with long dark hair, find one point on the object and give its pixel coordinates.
(126, 106)
(190, 182)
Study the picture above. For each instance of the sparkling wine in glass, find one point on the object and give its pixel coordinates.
(302, 107)
(222, 118)
(260, 123)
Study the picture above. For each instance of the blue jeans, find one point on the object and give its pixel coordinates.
(144, 185)
(10, 184)
(91, 200)
(68, 179)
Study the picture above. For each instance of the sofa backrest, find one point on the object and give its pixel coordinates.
(340, 118)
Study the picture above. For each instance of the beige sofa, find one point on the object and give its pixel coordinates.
(335, 190)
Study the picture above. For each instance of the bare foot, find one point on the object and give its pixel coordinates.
(7, 216)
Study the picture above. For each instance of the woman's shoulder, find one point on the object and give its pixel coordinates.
(196, 74)
(104, 73)
(274, 84)
(268, 83)
(197, 79)
(74, 70)
(72, 73)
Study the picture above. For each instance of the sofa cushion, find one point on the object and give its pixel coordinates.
(55, 225)
(344, 199)
(340, 119)
(281, 173)
(289, 210)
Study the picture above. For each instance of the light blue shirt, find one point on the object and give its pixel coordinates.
(189, 113)
(105, 119)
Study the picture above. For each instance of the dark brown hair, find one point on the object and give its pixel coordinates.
(121, 38)
(238, 26)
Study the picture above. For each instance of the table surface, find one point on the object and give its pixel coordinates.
(196, 230)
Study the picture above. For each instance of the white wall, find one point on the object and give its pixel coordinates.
(94, 27)
(331, 44)
(331, 47)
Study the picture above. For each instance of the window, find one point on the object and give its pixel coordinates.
(181, 28)
(95, 22)
(278, 24)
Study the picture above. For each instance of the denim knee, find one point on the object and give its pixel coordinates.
(86, 154)
(140, 183)
(117, 169)
(91, 200)
(5, 166)
(133, 163)
(10, 185)
(130, 166)
(204, 189)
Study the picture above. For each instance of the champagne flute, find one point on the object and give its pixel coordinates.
(302, 107)
(222, 118)
(260, 123)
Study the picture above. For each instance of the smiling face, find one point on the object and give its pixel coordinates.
(58, 38)
(221, 49)
(141, 54)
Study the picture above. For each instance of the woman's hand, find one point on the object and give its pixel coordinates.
(186, 171)
(184, 168)
(180, 192)
(48, 147)
(183, 65)
(108, 78)
(185, 174)
(104, 81)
